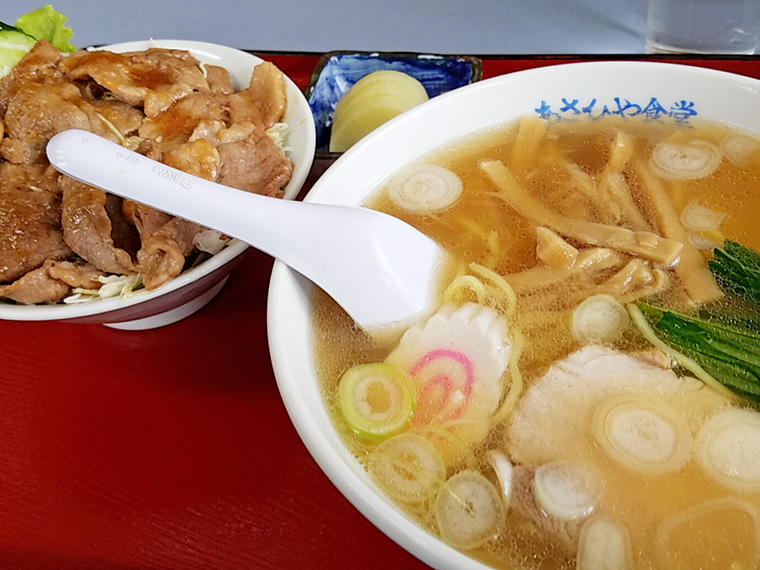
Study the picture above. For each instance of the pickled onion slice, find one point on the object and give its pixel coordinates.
(370, 102)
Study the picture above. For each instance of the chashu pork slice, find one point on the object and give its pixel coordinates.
(551, 421)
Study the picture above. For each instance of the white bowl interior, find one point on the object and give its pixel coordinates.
(301, 141)
(629, 86)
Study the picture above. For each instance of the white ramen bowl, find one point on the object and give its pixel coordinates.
(195, 287)
(664, 92)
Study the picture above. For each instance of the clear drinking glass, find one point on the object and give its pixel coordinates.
(703, 26)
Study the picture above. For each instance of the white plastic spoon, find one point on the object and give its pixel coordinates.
(379, 269)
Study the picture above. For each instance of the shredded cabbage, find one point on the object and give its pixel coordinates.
(111, 286)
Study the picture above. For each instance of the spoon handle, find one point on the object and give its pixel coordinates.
(269, 224)
(348, 251)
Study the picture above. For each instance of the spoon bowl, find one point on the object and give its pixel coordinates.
(352, 253)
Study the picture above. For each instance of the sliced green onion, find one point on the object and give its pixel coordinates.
(604, 544)
(697, 159)
(600, 318)
(642, 434)
(740, 149)
(454, 451)
(700, 218)
(376, 399)
(468, 510)
(505, 474)
(408, 468)
(725, 529)
(425, 188)
(727, 447)
(568, 490)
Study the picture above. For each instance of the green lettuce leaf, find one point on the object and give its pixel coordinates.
(47, 24)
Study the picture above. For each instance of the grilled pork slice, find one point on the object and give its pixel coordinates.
(152, 79)
(39, 111)
(40, 65)
(30, 232)
(37, 286)
(162, 255)
(76, 274)
(264, 101)
(174, 126)
(165, 242)
(255, 165)
(37, 177)
(87, 228)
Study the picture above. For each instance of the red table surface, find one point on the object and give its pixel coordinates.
(171, 448)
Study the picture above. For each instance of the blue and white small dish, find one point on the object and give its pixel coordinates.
(337, 71)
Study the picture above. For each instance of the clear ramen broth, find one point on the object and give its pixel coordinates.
(555, 445)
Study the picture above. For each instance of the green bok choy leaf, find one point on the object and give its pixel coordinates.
(725, 345)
